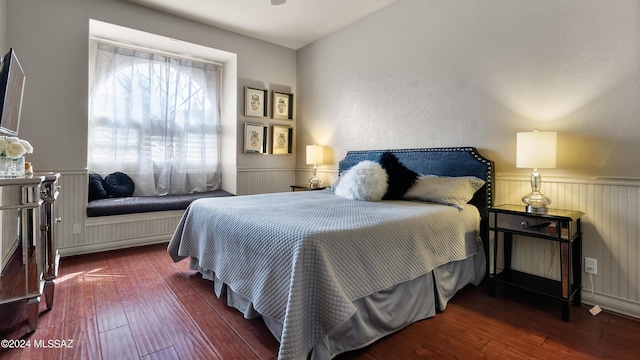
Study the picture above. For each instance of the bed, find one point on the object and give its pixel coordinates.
(330, 274)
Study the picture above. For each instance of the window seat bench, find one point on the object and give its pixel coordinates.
(144, 204)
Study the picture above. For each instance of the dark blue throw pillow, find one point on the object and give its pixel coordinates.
(400, 177)
(96, 187)
(119, 184)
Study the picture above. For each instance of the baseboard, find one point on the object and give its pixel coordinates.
(610, 303)
(113, 245)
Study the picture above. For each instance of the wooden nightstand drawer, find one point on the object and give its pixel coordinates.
(527, 224)
(557, 224)
(306, 188)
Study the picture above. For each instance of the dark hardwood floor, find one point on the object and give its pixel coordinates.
(138, 304)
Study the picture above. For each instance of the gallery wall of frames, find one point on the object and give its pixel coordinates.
(257, 104)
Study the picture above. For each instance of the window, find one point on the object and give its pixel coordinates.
(155, 118)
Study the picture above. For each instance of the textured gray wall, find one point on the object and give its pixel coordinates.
(425, 73)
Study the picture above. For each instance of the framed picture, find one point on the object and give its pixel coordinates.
(255, 102)
(255, 139)
(282, 142)
(282, 105)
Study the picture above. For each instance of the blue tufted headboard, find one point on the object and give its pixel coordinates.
(458, 161)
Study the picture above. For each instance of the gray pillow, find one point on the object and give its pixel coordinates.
(454, 191)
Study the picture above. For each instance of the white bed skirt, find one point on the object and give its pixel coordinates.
(379, 314)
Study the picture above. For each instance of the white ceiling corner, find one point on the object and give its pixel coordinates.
(293, 24)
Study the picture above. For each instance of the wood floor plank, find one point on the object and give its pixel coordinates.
(189, 341)
(137, 284)
(621, 342)
(109, 310)
(170, 312)
(11, 354)
(448, 336)
(254, 332)
(175, 275)
(224, 340)
(79, 306)
(86, 342)
(144, 322)
(169, 353)
(538, 318)
(118, 343)
(46, 343)
(132, 273)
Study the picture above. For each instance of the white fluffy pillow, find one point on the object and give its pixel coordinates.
(454, 191)
(366, 180)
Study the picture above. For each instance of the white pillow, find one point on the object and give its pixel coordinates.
(366, 180)
(454, 191)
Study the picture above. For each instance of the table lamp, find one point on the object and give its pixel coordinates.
(315, 156)
(537, 150)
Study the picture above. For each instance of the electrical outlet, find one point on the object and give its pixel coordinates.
(591, 266)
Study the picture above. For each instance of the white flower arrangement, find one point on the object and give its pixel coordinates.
(14, 148)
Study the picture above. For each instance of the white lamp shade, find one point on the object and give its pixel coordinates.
(315, 155)
(536, 150)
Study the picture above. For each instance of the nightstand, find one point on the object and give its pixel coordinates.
(306, 188)
(560, 226)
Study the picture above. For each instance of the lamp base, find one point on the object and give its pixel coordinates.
(536, 210)
(536, 202)
(314, 182)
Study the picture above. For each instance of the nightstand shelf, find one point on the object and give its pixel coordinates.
(537, 284)
(560, 226)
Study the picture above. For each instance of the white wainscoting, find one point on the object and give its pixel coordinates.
(260, 181)
(121, 231)
(72, 203)
(610, 226)
(78, 234)
(610, 235)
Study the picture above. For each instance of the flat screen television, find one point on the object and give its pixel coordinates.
(11, 90)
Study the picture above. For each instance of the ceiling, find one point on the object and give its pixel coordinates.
(293, 24)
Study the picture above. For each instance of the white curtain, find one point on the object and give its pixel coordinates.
(155, 119)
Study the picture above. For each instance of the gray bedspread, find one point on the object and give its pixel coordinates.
(303, 257)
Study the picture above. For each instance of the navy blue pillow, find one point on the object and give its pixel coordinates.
(96, 187)
(119, 184)
(400, 177)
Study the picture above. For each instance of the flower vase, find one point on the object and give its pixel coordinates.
(5, 162)
(15, 168)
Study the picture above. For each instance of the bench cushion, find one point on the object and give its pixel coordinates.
(142, 204)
